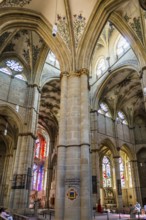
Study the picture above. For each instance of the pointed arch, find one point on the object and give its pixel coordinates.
(128, 151)
(121, 24)
(108, 143)
(93, 29)
(7, 110)
(33, 21)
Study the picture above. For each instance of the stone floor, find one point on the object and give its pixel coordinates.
(97, 216)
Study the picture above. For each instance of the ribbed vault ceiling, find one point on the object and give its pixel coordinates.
(49, 106)
(123, 92)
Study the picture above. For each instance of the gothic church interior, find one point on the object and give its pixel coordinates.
(72, 105)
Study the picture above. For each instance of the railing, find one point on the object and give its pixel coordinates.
(20, 217)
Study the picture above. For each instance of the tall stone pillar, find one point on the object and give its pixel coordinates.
(61, 154)
(85, 148)
(73, 194)
(73, 150)
(118, 183)
(135, 181)
(21, 182)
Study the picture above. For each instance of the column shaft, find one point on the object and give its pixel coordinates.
(118, 183)
(135, 181)
(85, 150)
(60, 179)
(72, 179)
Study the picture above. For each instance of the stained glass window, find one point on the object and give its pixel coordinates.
(122, 170)
(129, 175)
(14, 65)
(38, 167)
(34, 180)
(37, 148)
(106, 172)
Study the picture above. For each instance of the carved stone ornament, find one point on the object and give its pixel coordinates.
(143, 4)
(14, 3)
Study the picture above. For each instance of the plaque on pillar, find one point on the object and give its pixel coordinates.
(72, 194)
(28, 182)
(119, 187)
(18, 181)
(94, 184)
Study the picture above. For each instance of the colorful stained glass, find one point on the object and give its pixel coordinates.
(37, 150)
(34, 181)
(122, 169)
(106, 172)
(38, 167)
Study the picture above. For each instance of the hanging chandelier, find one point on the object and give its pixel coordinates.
(14, 3)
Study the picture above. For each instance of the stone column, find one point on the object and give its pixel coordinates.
(135, 181)
(95, 158)
(118, 183)
(73, 151)
(49, 173)
(21, 183)
(61, 154)
(85, 148)
(73, 189)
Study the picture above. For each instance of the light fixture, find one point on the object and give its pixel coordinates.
(141, 164)
(5, 131)
(17, 108)
(55, 29)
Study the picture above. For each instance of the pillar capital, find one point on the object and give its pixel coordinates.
(84, 71)
(65, 73)
(77, 73)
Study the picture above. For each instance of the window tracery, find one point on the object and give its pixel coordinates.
(121, 118)
(13, 67)
(104, 110)
(101, 67)
(52, 59)
(122, 46)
